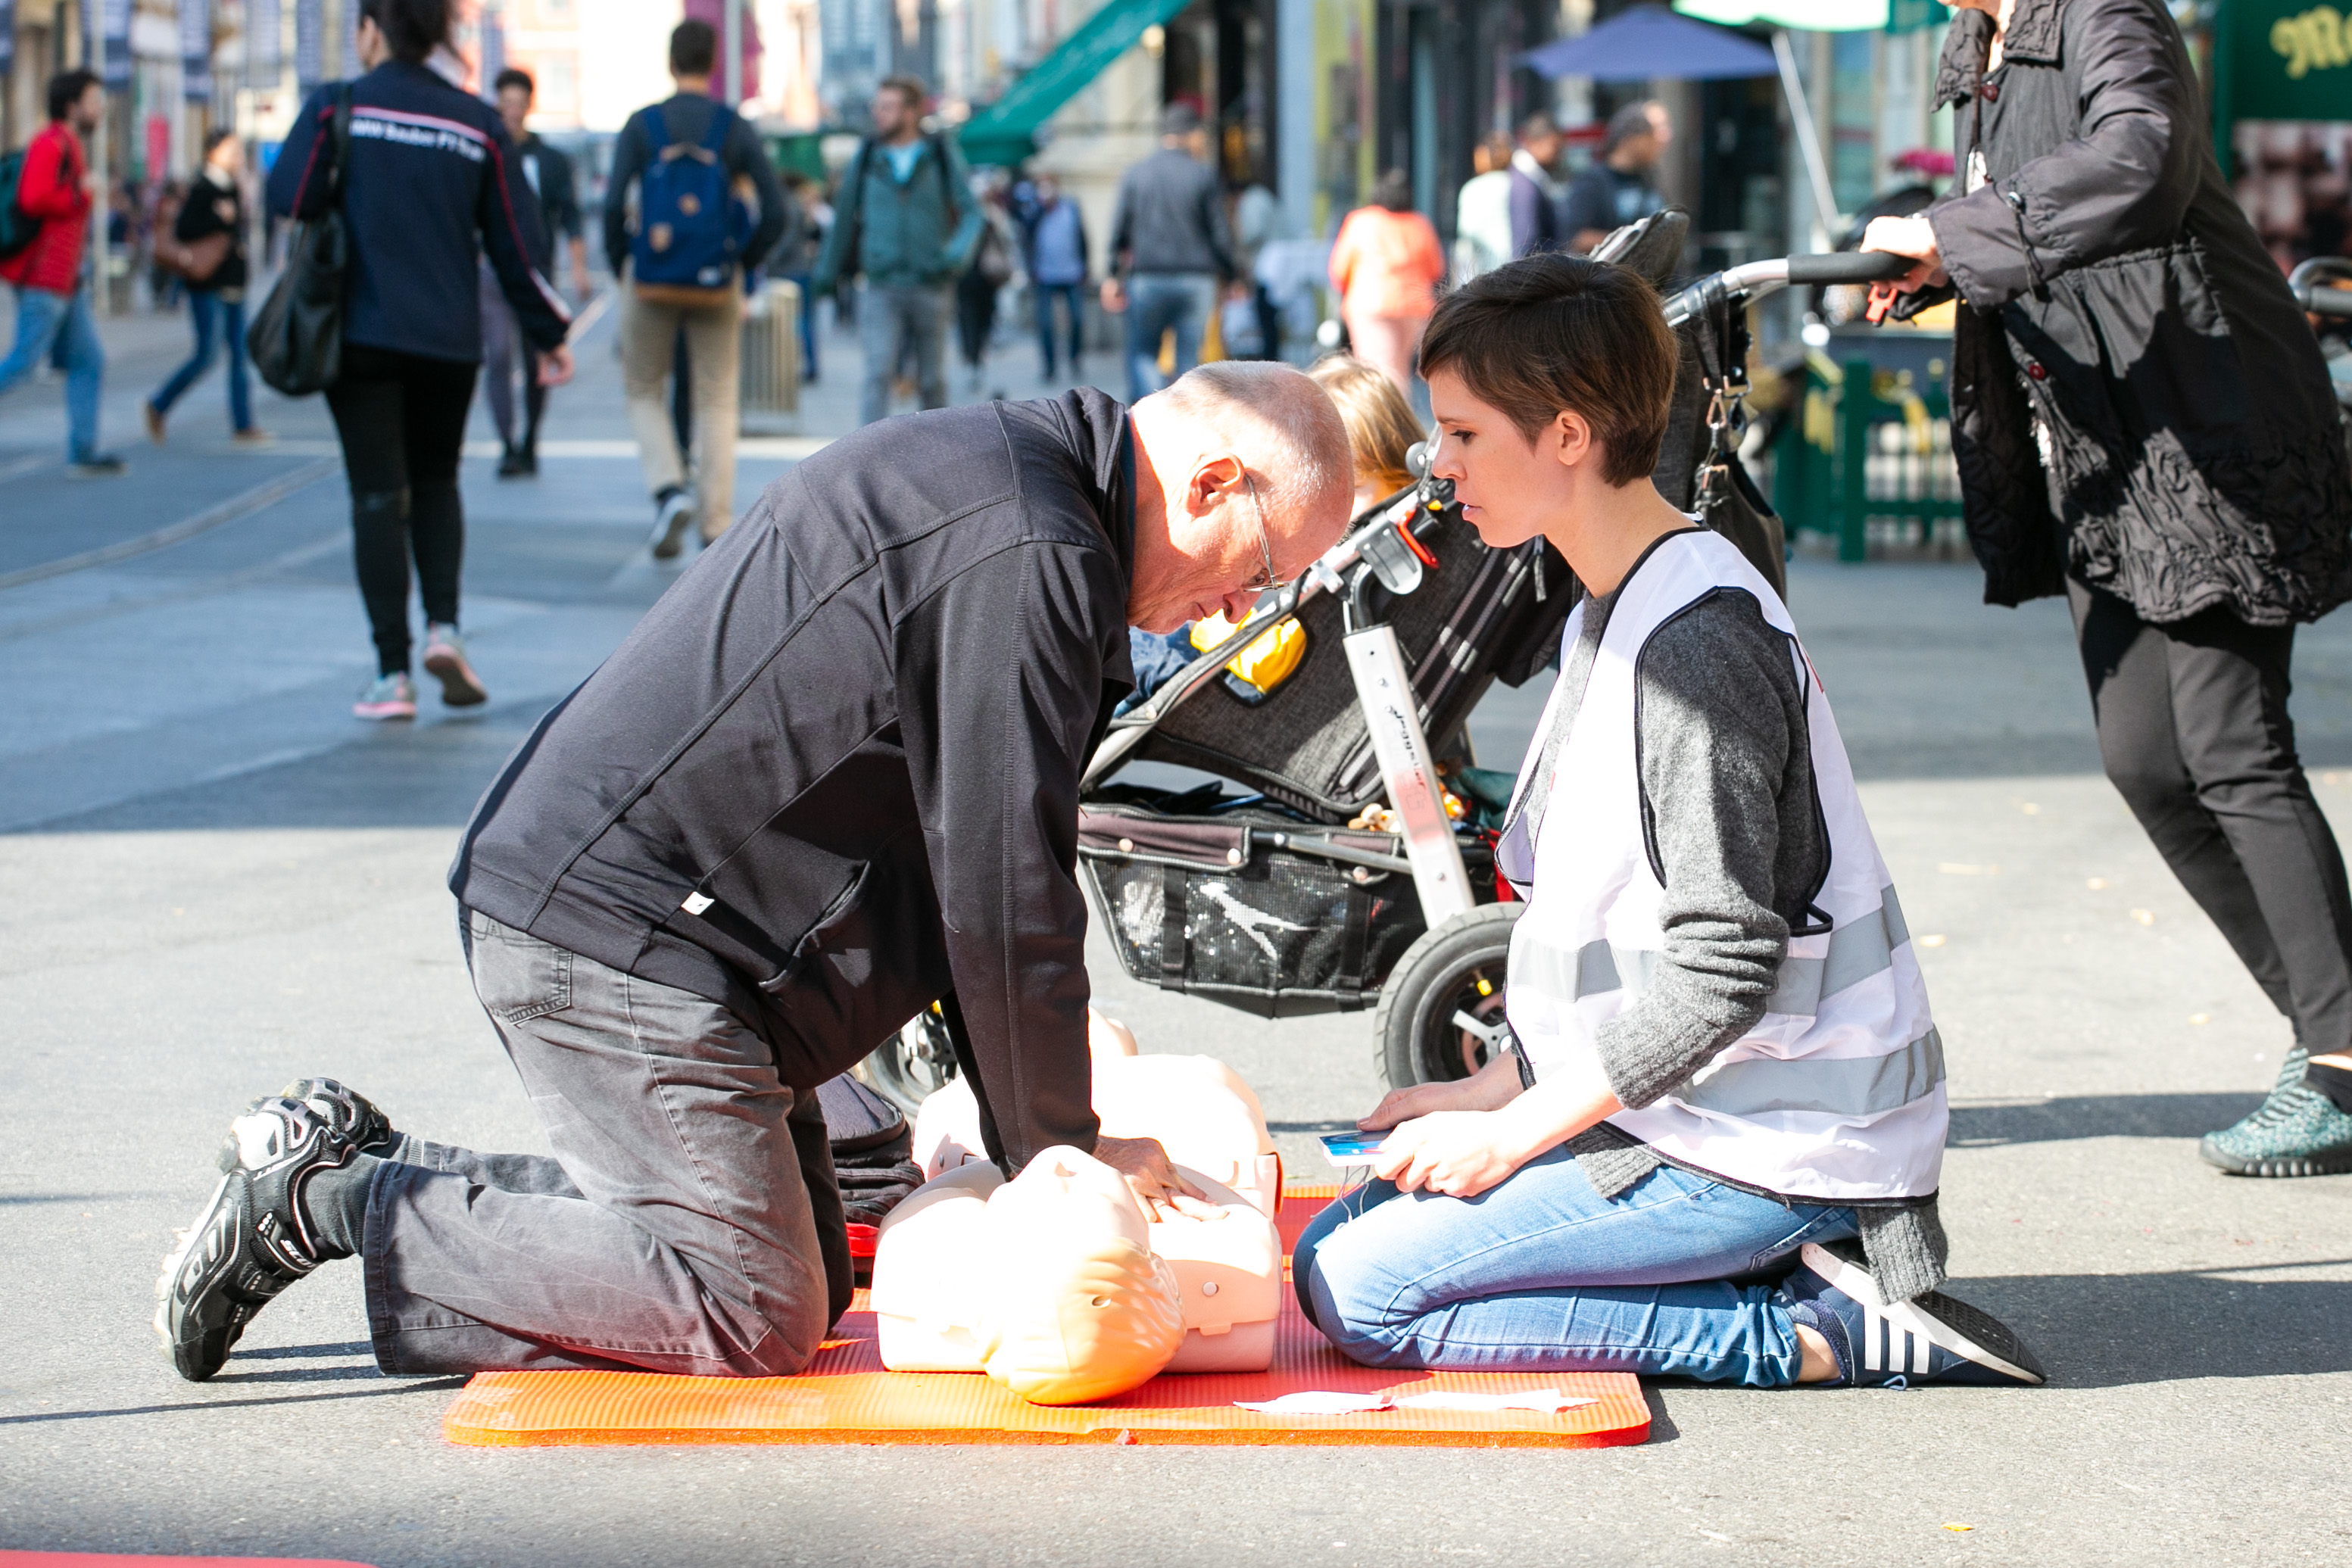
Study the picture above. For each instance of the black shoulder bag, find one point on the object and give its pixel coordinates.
(296, 337)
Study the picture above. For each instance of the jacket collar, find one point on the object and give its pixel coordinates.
(2032, 37)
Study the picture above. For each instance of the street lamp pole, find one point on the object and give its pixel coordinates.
(734, 82)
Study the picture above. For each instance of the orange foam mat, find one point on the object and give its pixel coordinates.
(846, 1397)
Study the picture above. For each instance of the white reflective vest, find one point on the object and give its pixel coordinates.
(1838, 1092)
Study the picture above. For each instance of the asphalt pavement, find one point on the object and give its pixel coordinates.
(212, 879)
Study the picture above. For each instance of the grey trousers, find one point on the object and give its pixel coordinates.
(678, 1228)
(897, 321)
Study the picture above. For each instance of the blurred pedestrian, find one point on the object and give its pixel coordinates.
(1621, 187)
(1170, 248)
(1258, 222)
(206, 243)
(794, 257)
(984, 276)
(1482, 212)
(547, 184)
(426, 186)
(907, 223)
(1058, 261)
(2145, 423)
(1387, 265)
(53, 313)
(1535, 195)
(692, 208)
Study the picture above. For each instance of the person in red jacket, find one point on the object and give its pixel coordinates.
(53, 316)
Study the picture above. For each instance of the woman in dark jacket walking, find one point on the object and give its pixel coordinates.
(213, 210)
(2143, 422)
(429, 187)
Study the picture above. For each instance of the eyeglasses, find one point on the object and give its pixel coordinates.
(1266, 577)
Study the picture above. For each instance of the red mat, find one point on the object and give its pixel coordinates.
(846, 1396)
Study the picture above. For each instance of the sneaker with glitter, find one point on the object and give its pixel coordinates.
(445, 661)
(389, 696)
(2297, 1131)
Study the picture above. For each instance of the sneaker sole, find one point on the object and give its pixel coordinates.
(460, 687)
(377, 713)
(1935, 1319)
(2329, 1161)
(672, 536)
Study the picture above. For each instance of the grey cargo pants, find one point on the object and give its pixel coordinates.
(678, 1228)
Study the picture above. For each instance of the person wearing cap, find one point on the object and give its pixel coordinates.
(1171, 248)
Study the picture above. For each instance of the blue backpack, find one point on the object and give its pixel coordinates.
(690, 227)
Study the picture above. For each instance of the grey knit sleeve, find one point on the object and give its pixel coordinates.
(1727, 790)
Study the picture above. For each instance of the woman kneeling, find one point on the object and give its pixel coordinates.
(1714, 1151)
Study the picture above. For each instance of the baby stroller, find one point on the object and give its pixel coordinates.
(1353, 867)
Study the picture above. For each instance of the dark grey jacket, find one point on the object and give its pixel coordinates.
(2114, 292)
(834, 773)
(1171, 218)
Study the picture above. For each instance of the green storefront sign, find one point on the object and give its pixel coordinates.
(2281, 60)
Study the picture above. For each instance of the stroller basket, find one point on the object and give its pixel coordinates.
(1249, 906)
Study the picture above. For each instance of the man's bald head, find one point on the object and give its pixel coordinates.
(1224, 445)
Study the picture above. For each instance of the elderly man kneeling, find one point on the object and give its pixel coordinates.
(832, 776)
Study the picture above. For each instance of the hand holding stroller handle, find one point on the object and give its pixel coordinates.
(1849, 266)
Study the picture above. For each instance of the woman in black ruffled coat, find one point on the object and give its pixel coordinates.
(2143, 422)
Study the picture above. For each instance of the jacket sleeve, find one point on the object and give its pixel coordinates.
(298, 181)
(559, 193)
(995, 743)
(833, 261)
(47, 189)
(509, 236)
(1530, 207)
(963, 206)
(750, 158)
(629, 155)
(2124, 184)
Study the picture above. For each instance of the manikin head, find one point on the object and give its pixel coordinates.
(78, 98)
(1242, 479)
(515, 90)
(1551, 378)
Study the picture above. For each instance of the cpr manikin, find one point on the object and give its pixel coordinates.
(1036, 1281)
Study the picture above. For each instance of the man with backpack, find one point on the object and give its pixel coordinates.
(45, 205)
(907, 221)
(694, 207)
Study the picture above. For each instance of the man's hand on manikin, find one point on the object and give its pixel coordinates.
(1156, 1183)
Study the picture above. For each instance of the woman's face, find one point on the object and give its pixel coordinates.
(1508, 485)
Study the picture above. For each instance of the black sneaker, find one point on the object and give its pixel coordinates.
(96, 465)
(1930, 1338)
(514, 465)
(251, 1239)
(350, 1116)
(673, 516)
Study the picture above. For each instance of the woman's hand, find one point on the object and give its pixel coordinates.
(555, 366)
(1459, 1153)
(1491, 1088)
(1913, 237)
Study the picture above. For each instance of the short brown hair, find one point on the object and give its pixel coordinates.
(1380, 426)
(693, 46)
(911, 89)
(1553, 332)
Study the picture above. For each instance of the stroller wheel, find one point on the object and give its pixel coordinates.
(1442, 1008)
(906, 1067)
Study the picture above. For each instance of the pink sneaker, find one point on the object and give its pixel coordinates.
(445, 660)
(391, 696)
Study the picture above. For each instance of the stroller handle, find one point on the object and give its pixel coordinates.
(1756, 279)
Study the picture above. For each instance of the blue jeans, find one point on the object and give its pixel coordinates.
(214, 318)
(1155, 302)
(1072, 302)
(60, 326)
(1542, 1274)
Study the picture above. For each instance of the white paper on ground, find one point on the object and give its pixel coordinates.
(1550, 1401)
(1318, 1402)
